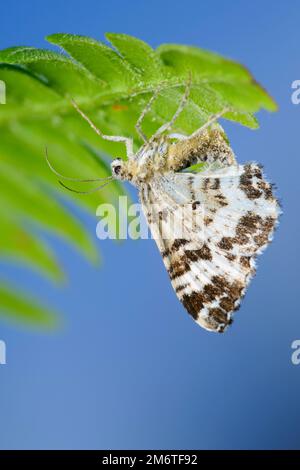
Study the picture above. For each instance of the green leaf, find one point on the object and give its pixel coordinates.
(21, 308)
(99, 59)
(18, 244)
(112, 84)
(139, 55)
(226, 77)
(194, 168)
(57, 71)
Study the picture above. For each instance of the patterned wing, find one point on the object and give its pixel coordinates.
(209, 228)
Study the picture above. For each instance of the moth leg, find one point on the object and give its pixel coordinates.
(210, 121)
(177, 136)
(182, 104)
(201, 129)
(147, 108)
(114, 138)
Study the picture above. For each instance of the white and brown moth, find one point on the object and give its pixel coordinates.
(212, 264)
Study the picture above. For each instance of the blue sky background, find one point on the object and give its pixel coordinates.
(130, 369)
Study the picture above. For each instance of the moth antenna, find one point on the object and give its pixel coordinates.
(86, 192)
(79, 180)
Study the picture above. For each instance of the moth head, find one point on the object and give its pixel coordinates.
(118, 168)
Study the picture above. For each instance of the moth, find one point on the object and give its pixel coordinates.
(227, 212)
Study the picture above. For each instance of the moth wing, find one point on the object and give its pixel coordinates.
(225, 218)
